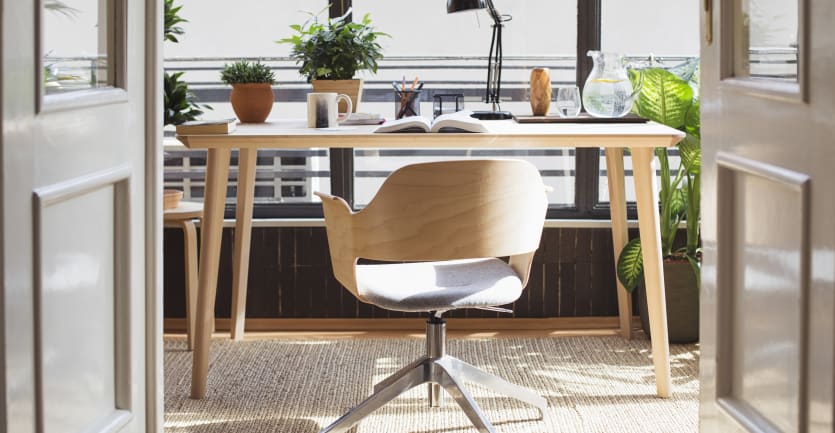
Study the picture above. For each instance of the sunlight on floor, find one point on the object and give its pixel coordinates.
(599, 384)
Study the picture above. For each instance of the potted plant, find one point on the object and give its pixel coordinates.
(180, 104)
(252, 93)
(670, 96)
(331, 53)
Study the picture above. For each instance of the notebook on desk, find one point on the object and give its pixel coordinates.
(582, 118)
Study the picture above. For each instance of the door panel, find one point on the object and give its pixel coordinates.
(768, 122)
(761, 368)
(79, 344)
(82, 361)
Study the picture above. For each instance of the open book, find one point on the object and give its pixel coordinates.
(453, 122)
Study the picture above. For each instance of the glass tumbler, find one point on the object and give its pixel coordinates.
(568, 101)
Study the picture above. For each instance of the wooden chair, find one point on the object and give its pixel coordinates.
(448, 221)
(183, 216)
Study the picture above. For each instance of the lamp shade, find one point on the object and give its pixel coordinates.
(464, 5)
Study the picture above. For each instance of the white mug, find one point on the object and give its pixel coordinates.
(322, 109)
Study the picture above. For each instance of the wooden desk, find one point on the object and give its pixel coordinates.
(641, 139)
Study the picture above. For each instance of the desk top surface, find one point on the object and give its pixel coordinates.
(293, 133)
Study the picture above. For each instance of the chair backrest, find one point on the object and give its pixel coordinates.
(442, 211)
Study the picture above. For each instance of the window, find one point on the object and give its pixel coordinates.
(75, 43)
(669, 42)
(542, 33)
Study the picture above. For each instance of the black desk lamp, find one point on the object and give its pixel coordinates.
(494, 62)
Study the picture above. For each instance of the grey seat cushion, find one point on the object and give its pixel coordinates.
(431, 286)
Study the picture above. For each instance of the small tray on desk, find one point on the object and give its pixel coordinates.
(582, 118)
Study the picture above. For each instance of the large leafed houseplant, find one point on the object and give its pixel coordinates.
(331, 52)
(671, 97)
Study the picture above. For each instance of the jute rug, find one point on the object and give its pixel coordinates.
(592, 384)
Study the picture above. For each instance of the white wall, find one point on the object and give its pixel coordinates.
(660, 27)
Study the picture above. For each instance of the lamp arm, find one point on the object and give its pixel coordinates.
(494, 62)
(497, 17)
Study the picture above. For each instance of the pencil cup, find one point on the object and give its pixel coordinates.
(406, 103)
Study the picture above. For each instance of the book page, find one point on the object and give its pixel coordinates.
(460, 121)
(406, 124)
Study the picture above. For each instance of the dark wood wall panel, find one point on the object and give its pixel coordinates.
(290, 277)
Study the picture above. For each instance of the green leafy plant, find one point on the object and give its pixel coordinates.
(670, 97)
(180, 104)
(335, 49)
(172, 19)
(245, 72)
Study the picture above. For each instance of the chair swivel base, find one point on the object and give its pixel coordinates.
(439, 371)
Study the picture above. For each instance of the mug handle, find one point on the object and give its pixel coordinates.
(340, 117)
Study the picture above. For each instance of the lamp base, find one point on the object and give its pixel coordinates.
(492, 115)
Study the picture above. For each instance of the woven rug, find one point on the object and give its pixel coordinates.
(592, 384)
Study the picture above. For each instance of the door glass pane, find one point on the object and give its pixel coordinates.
(75, 43)
(770, 33)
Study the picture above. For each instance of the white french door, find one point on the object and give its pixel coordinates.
(80, 237)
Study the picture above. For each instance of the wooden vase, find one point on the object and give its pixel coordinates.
(252, 102)
(540, 91)
(352, 88)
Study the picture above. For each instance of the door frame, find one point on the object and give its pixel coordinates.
(154, 387)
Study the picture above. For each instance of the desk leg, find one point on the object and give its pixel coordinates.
(646, 194)
(217, 174)
(243, 230)
(620, 233)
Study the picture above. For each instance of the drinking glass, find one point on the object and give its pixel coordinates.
(568, 101)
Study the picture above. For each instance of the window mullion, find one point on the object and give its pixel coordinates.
(586, 178)
(342, 160)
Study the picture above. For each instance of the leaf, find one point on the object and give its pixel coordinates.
(686, 70)
(664, 98)
(334, 48)
(690, 150)
(693, 120)
(630, 267)
(678, 203)
(697, 269)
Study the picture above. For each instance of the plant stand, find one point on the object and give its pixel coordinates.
(352, 88)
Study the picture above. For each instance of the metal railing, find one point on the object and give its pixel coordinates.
(290, 176)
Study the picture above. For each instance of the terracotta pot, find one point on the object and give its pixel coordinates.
(682, 303)
(252, 102)
(540, 91)
(352, 88)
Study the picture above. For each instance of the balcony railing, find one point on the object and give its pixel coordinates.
(290, 176)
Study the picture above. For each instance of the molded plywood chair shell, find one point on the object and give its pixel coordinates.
(449, 221)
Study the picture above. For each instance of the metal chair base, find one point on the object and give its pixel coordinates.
(439, 371)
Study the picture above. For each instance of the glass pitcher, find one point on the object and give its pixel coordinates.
(608, 91)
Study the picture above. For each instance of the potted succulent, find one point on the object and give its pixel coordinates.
(670, 96)
(252, 94)
(331, 52)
